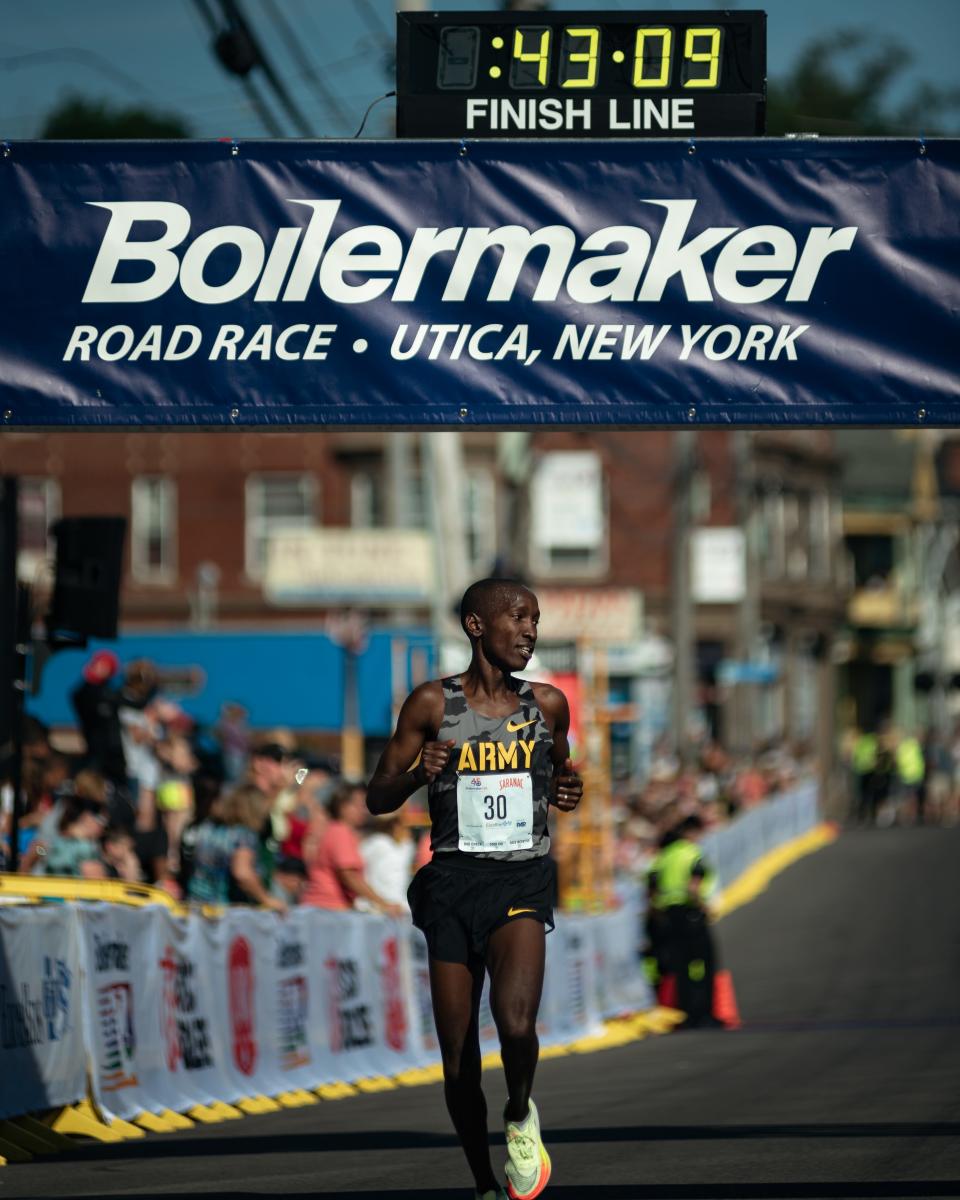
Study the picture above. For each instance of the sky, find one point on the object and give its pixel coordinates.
(334, 55)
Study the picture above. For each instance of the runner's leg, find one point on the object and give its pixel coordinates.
(516, 953)
(456, 988)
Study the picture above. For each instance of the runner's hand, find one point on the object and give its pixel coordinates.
(433, 759)
(567, 787)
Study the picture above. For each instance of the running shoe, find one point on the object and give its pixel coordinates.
(528, 1164)
(493, 1194)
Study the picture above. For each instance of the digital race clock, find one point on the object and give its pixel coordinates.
(574, 74)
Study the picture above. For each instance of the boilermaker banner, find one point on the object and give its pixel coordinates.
(480, 283)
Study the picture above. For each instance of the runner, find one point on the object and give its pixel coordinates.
(493, 753)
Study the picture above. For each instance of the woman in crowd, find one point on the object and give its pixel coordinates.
(225, 852)
(335, 868)
(388, 852)
(75, 849)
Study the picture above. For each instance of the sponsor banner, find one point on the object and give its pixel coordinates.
(434, 284)
(569, 1008)
(123, 1021)
(619, 987)
(42, 1057)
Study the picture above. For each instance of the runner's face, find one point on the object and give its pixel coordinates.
(510, 635)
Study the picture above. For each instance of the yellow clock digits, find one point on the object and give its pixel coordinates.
(712, 56)
(588, 56)
(540, 56)
(650, 69)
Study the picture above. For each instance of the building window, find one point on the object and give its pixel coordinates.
(480, 520)
(772, 552)
(821, 536)
(153, 529)
(38, 506)
(568, 517)
(795, 523)
(274, 503)
(366, 511)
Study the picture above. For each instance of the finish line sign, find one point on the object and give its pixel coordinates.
(433, 284)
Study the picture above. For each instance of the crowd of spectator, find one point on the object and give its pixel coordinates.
(716, 787)
(213, 816)
(221, 815)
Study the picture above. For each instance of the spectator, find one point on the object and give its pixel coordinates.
(96, 701)
(225, 852)
(233, 736)
(336, 877)
(75, 850)
(388, 858)
(270, 771)
(289, 880)
(175, 793)
(119, 854)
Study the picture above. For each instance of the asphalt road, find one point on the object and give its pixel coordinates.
(844, 1081)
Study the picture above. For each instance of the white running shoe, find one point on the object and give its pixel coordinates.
(528, 1164)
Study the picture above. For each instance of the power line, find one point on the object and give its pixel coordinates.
(267, 118)
(309, 72)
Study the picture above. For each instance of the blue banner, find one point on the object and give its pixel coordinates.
(431, 284)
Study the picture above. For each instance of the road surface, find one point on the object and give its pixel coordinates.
(843, 1082)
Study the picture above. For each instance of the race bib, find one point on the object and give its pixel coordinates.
(495, 811)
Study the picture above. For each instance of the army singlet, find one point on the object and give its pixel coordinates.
(491, 799)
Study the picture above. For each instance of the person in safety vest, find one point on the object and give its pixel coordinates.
(910, 768)
(680, 885)
(863, 760)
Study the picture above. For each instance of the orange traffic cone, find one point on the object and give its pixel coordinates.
(725, 1000)
(667, 992)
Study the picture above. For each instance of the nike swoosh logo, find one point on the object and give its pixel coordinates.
(511, 728)
(515, 912)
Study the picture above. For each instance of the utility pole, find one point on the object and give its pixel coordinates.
(443, 462)
(681, 613)
(748, 611)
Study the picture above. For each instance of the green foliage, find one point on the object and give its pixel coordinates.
(840, 87)
(77, 117)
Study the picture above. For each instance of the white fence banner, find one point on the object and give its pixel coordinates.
(175, 1011)
(129, 1057)
(42, 1056)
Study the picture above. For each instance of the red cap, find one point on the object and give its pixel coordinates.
(102, 666)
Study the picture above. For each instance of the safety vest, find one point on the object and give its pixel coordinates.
(909, 758)
(673, 868)
(865, 753)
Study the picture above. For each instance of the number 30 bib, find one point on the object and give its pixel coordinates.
(495, 811)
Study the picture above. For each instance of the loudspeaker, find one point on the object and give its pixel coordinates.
(86, 593)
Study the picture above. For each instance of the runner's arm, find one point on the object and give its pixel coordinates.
(567, 784)
(412, 758)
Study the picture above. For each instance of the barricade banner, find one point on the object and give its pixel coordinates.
(191, 1016)
(347, 984)
(759, 281)
(619, 987)
(569, 1007)
(42, 1056)
(123, 1022)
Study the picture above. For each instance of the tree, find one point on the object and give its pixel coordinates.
(840, 86)
(78, 117)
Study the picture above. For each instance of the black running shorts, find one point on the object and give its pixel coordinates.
(459, 900)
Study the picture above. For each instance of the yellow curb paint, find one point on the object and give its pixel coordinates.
(756, 878)
(177, 1120)
(152, 1123)
(377, 1083)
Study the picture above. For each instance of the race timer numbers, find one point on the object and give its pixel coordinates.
(582, 75)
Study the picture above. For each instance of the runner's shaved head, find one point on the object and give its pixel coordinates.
(487, 597)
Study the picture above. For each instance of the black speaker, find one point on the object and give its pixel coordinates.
(86, 593)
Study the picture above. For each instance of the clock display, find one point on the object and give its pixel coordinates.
(502, 74)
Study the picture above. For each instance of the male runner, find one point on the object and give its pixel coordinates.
(493, 753)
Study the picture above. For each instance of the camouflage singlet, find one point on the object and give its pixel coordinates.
(491, 798)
